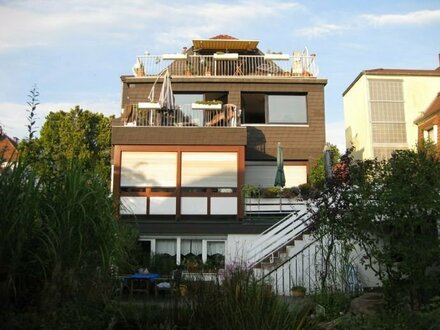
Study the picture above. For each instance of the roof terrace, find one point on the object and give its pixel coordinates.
(224, 56)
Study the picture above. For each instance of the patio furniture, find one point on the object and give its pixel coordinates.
(140, 282)
(228, 115)
(165, 284)
(239, 69)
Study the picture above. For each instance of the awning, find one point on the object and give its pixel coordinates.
(225, 44)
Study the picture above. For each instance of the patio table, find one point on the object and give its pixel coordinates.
(142, 280)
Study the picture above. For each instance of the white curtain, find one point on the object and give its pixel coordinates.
(148, 169)
(166, 246)
(193, 246)
(209, 169)
(216, 248)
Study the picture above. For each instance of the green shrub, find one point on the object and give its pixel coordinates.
(59, 243)
(335, 303)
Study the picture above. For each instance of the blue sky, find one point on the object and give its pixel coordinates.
(75, 51)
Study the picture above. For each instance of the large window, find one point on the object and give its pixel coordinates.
(189, 252)
(209, 169)
(262, 108)
(182, 99)
(148, 169)
(262, 173)
(195, 117)
(287, 109)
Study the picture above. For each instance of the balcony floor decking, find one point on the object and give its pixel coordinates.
(199, 225)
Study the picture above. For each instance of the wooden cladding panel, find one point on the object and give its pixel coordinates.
(299, 143)
(179, 136)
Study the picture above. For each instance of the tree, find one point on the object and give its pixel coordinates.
(78, 134)
(317, 174)
(390, 208)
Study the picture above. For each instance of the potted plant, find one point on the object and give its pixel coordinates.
(207, 105)
(298, 291)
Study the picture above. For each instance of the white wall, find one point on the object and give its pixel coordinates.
(236, 248)
(263, 174)
(356, 117)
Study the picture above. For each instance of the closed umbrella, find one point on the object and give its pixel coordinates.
(166, 98)
(280, 178)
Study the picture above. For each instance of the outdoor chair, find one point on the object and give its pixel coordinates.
(228, 116)
(165, 284)
(239, 69)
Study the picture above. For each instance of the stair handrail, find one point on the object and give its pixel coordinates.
(283, 232)
(307, 246)
(295, 212)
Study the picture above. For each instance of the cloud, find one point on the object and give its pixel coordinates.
(420, 17)
(320, 30)
(43, 23)
(14, 114)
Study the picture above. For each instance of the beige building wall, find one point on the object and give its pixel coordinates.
(356, 114)
(418, 93)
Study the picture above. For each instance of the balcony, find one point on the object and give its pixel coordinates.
(188, 115)
(299, 65)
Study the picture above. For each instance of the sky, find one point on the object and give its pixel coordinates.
(75, 51)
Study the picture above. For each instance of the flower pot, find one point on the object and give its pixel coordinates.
(201, 106)
(183, 290)
(296, 293)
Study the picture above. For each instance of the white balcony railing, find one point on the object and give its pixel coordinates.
(183, 116)
(298, 65)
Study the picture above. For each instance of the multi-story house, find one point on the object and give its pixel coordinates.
(179, 169)
(380, 107)
(429, 123)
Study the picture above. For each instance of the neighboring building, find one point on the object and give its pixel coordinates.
(179, 173)
(8, 149)
(429, 123)
(380, 107)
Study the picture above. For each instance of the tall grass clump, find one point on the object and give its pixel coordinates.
(59, 247)
(237, 301)
(240, 301)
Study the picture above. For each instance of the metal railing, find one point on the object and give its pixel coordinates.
(306, 267)
(271, 205)
(182, 116)
(279, 235)
(298, 65)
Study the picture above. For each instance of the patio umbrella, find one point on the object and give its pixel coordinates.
(280, 178)
(166, 98)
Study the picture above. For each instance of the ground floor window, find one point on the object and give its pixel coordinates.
(215, 254)
(193, 254)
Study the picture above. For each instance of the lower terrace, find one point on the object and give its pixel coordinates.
(187, 115)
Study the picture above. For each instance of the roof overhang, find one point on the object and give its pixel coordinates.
(225, 44)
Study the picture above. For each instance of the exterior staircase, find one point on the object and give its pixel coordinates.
(287, 255)
(271, 245)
